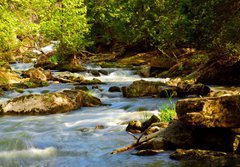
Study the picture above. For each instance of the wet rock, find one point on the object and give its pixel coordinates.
(95, 73)
(153, 144)
(99, 127)
(104, 72)
(143, 88)
(134, 127)
(178, 135)
(152, 129)
(208, 155)
(145, 71)
(83, 88)
(94, 81)
(49, 103)
(114, 89)
(221, 70)
(95, 87)
(221, 111)
(149, 122)
(72, 65)
(37, 75)
(148, 152)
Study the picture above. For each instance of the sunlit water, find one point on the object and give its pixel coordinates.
(71, 139)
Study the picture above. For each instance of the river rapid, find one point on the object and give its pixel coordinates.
(74, 138)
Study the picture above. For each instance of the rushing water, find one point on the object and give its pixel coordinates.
(72, 139)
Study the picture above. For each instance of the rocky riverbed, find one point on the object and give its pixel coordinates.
(109, 98)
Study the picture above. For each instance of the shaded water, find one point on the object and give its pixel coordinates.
(72, 139)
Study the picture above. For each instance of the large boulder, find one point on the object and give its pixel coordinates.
(143, 88)
(218, 158)
(38, 74)
(72, 64)
(223, 112)
(50, 103)
(222, 70)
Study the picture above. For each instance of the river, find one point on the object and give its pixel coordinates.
(72, 139)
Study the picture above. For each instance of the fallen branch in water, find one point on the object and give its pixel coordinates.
(141, 141)
(135, 137)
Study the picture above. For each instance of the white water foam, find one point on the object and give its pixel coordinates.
(30, 153)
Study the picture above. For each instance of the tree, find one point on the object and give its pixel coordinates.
(66, 22)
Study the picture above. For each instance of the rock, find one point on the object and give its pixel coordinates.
(46, 65)
(152, 130)
(95, 73)
(217, 139)
(72, 64)
(152, 59)
(104, 72)
(149, 122)
(44, 61)
(99, 127)
(37, 75)
(189, 87)
(114, 89)
(95, 87)
(83, 88)
(153, 144)
(195, 89)
(143, 88)
(145, 71)
(221, 111)
(207, 155)
(94, 81)
(134, 127)
(148, 152)
(49, 103)
(9, 77)
(178, 135)
(221, 70)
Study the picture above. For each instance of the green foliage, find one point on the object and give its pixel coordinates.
(66, 21)
(7, 28)
(162, 24)
(168, 111)
(54, 59)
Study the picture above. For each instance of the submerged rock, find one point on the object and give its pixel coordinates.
(221, 111)
(49, 103)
